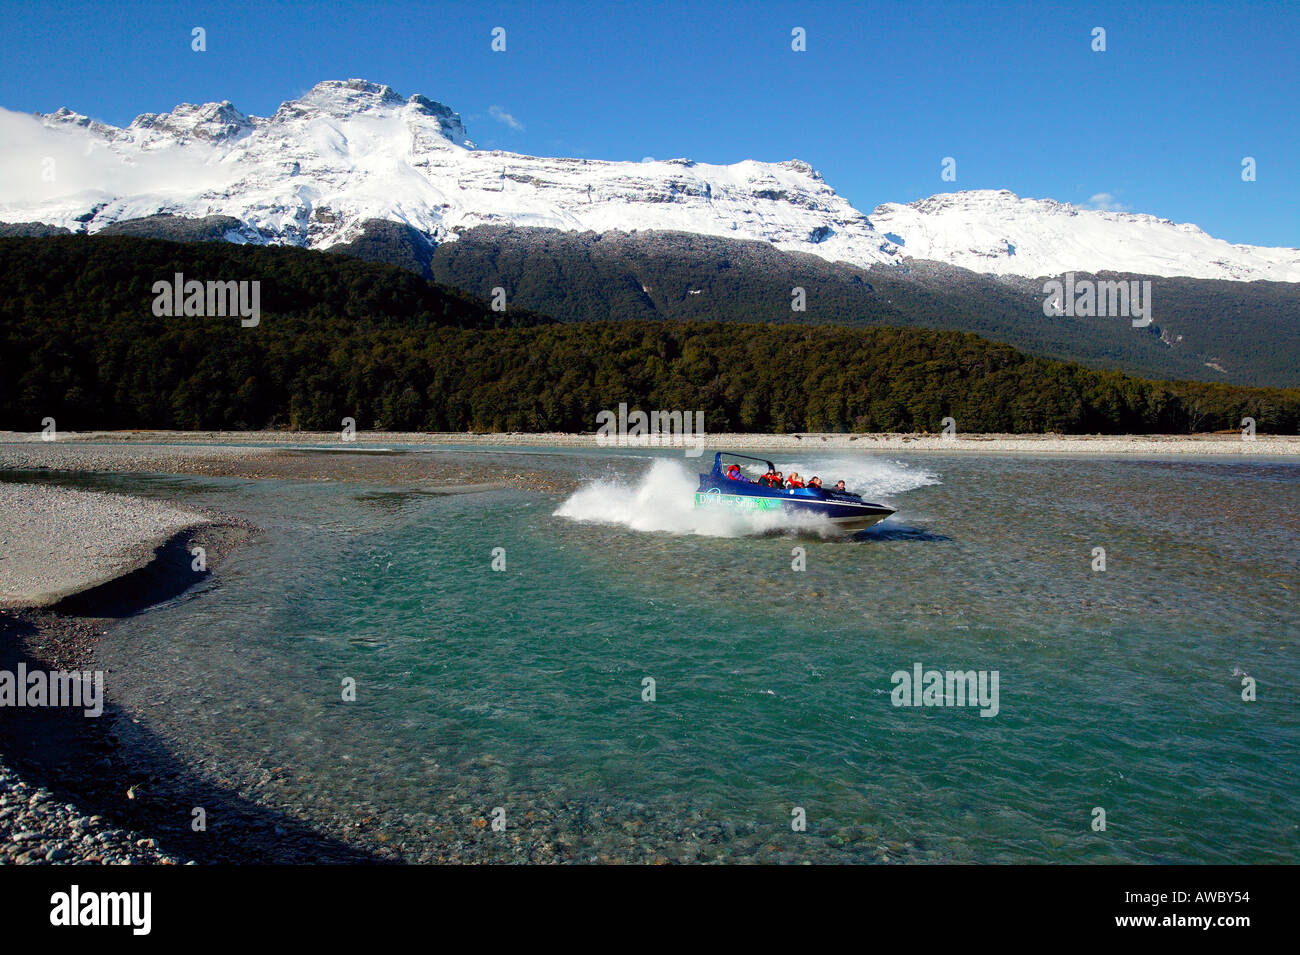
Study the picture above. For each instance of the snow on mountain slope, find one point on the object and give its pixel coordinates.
(351, 151)
(347, 152)
(996, 231)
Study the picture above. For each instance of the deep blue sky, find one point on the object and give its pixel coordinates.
(1160, 121)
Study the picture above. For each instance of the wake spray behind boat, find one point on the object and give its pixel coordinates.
(844, 509)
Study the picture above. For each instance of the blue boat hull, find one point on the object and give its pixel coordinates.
(844, 510)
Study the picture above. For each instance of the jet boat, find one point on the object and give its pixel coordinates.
(845, 510)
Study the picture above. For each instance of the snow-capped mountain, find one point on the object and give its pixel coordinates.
(347, 152)
(996, 231)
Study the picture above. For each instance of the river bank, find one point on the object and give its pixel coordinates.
(227, 455)
(96, 789)
(56, 541)
(229, 448)
(36, 827)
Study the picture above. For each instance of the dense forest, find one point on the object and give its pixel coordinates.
(341, 338)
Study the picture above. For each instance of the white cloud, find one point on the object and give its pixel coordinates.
(1106, 203)
(501, 116)
(70, 171)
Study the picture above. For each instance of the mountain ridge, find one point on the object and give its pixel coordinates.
(348, 152)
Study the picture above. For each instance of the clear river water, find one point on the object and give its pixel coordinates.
(522, 695)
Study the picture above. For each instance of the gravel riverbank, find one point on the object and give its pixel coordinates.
(362, 463)
(87, 556)
(56, 541)
(216, 442)
(37, 827)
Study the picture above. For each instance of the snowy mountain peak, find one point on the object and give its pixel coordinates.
(349, 151)
(345, 99)
(340, 99)
(212, 122)
(69, 118)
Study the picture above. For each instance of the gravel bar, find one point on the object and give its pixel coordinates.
(56, 541)
(1222, 443)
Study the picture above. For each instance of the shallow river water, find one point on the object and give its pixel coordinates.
(522, 695)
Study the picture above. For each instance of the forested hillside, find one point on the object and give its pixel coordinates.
(1229, 332)
(343, 338)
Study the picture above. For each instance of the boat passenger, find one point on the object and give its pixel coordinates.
(794, 480)
(733, 472)
(839, 486)
(815, 482)
(777, 481)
